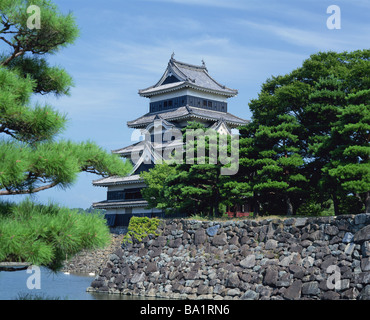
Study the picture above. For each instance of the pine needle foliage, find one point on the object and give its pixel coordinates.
(45, 234)
(33, 156)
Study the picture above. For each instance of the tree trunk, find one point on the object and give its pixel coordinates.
(210, 214)
(336, 204)
(367, 202)
(289, 207)
(256, 208)
(217, 201)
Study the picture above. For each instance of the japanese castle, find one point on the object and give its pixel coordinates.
(184, 93)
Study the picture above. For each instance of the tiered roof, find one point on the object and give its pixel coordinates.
(180, 75)
(116, 180)
(188, 113)
(119, 204)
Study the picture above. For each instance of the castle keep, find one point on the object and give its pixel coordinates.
(184, 93)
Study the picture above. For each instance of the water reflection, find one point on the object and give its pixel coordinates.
(52, 285)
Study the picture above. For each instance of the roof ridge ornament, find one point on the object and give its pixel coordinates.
(204, 65)
(187, 107)
(173, 55)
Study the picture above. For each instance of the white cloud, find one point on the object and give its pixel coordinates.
(319, 40)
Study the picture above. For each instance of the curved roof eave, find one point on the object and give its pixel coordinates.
(230, 93)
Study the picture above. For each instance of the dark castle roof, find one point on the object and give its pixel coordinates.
(180, 75)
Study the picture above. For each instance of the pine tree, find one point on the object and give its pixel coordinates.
(197, 185)
(328, 99)
(156, 193)
(247, 175)
(278, 177)
(323, 108)
(33, 157)
(352, 156)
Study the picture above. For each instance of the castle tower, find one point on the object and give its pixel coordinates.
(184, 93)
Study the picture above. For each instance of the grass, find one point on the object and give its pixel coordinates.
(200, 217)
(30, 296)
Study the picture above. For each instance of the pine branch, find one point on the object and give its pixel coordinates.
(28, 191)
(5, 130)
(17, 52)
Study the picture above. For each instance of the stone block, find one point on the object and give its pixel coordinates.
(301, 222)
(348, 237)
(360, 218)
(219, 240)
(249, 261)
(271, 244)
(138, 277)
(330, 295)
(362, 235)
(212, 231)
(294, 291)
(331, 230)
(250, 295)
(233, 280)
(365, 249)
(200, 237)
(365, 264)
(271, 277)
(310, 288)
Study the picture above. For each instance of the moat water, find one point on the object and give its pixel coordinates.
(16, 284)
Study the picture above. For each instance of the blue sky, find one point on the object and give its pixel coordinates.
(125, 46)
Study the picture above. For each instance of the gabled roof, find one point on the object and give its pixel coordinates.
(136, 147)
(148, 154)
(219, 124)
(187, 112)
(180, 75)
(140, 146)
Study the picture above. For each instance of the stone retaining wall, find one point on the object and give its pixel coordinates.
(296, 258)
(92, 261)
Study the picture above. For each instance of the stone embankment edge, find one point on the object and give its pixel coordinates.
(271, 259)
(94, 261)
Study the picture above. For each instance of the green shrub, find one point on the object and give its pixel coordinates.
(140, 227)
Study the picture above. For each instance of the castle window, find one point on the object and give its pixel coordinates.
(170, 103)
(209, 104)
(116, 195)
(133, 194)
(204, 103)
